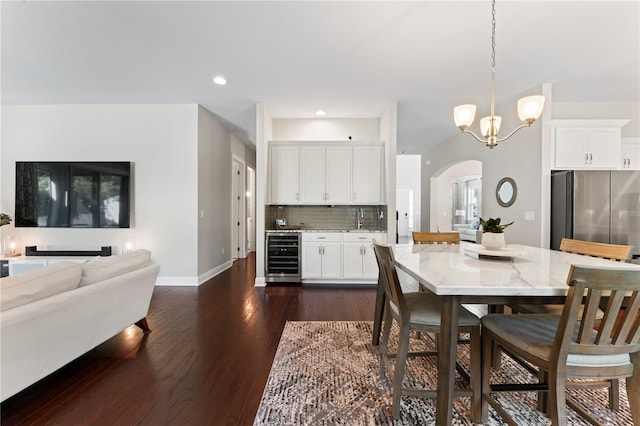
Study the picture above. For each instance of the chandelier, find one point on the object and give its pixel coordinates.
(529, 108)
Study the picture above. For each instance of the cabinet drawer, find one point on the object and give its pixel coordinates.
(365, 237)
(321, 237)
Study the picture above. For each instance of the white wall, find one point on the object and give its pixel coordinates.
(326, 129)
(163, 143)
(518, 157)
(264, 133)
(602, 110)
(214, 196)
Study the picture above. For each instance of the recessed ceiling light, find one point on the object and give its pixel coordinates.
(320, 112)
(219, 80)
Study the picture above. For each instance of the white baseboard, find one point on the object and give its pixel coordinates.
(260, 282)
(193, 281)
(177, 281)
(215, 271)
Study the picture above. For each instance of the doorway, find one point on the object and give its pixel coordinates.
(251, 208)
(404, 205)
(444, 210)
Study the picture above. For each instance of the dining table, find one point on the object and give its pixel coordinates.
(466, 273)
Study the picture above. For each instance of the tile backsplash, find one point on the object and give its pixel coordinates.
(328, 217)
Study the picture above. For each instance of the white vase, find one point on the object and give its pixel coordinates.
(493, 240)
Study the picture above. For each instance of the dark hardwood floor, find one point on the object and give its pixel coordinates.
(205, 362)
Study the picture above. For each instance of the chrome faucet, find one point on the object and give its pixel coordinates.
(359, 216)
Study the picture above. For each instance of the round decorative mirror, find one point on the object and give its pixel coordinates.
(506, 192)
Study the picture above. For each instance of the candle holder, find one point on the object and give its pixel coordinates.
(11, 246)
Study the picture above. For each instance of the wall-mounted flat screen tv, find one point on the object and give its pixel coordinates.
(72, 194)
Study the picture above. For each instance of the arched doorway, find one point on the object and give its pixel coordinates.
(456, 195)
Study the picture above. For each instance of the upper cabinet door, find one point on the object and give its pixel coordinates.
(604, 148)
(630, 154)
(367, 175)
(569, 150)
(284, 172)
(338, 175)
(586, 144)
(312, 174)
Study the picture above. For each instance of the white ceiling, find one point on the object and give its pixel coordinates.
(349, 58)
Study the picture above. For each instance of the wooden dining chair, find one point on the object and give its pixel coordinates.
(418, 311)
(436, 238)
(605, 251)
(615, 252)
(569, 345)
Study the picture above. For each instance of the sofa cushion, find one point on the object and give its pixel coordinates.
(20, 289)
(112, 266)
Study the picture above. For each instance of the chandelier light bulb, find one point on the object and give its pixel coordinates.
(530, 108)
(463, 115)
(485, 125)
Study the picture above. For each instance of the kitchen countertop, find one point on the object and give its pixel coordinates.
(327, 230)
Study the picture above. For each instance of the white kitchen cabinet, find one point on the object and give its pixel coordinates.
(630, 154)
(321, 255)
(284, 174)
(586, 144)
(368, 175)
(325, 174)
(359, 260)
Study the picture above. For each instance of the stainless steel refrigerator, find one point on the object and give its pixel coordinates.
(596, 205)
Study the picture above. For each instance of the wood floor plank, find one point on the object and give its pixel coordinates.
(205, 363)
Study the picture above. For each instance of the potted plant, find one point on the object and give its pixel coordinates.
(5, 219)
(493, 233)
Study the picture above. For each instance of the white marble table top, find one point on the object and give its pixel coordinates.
(447, 270)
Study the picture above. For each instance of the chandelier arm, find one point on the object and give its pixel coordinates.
(513, 132)
(484, 141)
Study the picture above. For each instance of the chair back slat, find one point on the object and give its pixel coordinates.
(389, 276)
(436, 238)
(628, 331)
(618, 331)
(611, 314)
(602, 250)
(588, 319)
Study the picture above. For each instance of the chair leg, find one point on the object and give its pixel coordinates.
(384, 344)
(487, 353)
(401, 361)
(614, 394)
(475, 372)
(633, 388)
(557, 402)
(543, 397)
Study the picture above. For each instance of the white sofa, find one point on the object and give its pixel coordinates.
(52, 315)
(468, 233)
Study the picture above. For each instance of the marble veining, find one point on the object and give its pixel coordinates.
(447, 270)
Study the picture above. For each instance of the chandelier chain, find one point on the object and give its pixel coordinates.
(493, 35)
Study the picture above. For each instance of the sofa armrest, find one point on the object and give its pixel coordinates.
(459, 226)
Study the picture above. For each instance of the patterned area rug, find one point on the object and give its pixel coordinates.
(327, 373)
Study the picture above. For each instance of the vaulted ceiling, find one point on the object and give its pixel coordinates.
(350, 59)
